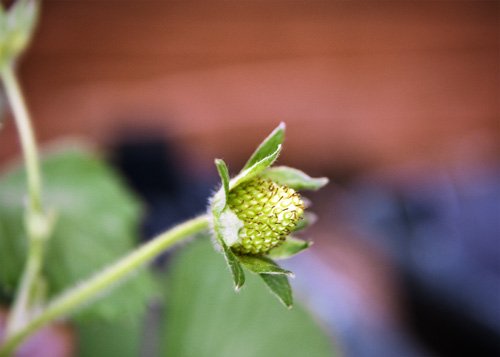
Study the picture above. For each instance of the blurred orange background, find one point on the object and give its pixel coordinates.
(361, 85)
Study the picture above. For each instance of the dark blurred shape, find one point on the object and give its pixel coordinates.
(153, 168)
(442, 230)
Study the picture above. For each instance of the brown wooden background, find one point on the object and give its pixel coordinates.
(360, 84)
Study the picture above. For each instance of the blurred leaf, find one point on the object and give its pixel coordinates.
(289, 248)
(205, 318)
(97, 223)
(279, 286)
(268, 146)
(262, 265)
(116, 338)
(294, 178)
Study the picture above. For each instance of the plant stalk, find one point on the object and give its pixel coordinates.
(28, 143)
(96, 285)
(36, 221)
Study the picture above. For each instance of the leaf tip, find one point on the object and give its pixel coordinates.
(322, 181)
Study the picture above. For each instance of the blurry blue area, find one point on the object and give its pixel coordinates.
(351, 323)
(443, 233)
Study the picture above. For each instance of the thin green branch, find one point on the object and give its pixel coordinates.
(26, 135)
(36, 222)
(106, 279)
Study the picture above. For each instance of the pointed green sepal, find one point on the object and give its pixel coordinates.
(262, 265)
(257, 168)
(220, 232)
(280, 287)
(268, 146)
(307, 220)
(234, 265)
(294, 178)
(224, 174)
(220, 198)
(226, 225)
(290, 247)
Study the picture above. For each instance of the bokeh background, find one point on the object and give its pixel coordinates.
(397, 102)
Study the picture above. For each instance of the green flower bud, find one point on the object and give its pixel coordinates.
(269, 213)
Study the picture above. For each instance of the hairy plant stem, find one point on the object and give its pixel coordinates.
(104, 280)
(36, 221)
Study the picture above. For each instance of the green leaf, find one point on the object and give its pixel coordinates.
(262, 265)
(226, 225)
(294, 178)
(110, 338)
(279, 286)
(204, 317)
(289, 248)
(268, 146)
(223, 228)
(235, 266)
(220, 199)
(98, 221)
(255, 169)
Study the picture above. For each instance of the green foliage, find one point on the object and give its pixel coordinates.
(275, 277)
(204, 317)
(268, 147)
(110, 338)
(254, 170)
(280, 287)
(226, 225)
(233, 264)
(97, 221)
(224, 175)
(263, 265)
(289, 248)
(294, 178)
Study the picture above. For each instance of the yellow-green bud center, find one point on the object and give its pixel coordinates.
(269, 213)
